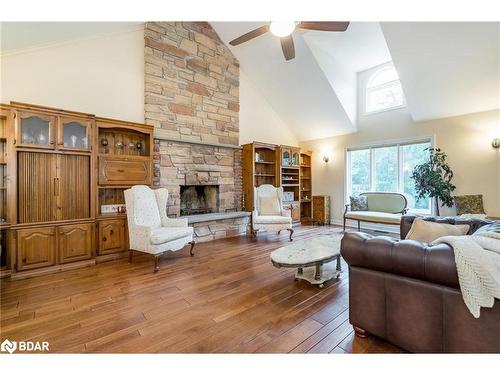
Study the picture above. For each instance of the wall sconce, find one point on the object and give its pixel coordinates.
(326, 159)
(496, 143)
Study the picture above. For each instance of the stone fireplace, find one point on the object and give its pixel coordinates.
(191, 97)
(199, 199)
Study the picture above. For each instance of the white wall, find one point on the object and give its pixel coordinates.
(101, 74)
(466, 139)
(258, 120)
(104, 75)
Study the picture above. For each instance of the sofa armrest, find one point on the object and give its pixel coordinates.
(474, 224)
(409, 258)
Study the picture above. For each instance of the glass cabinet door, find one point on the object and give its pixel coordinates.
(295, 158)
(35, 130)
(74, 134)
(285, 160)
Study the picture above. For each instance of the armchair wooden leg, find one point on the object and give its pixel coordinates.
(157, 263)
(279, 232)
(344, 223)
(130, 255)
(359, 226)
(192, 243)
(254, 233)
(291, 233)
(360, 332)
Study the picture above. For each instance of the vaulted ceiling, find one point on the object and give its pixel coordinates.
(446, 69)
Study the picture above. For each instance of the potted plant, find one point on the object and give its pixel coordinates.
(433, 179)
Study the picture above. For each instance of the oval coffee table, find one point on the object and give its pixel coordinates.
(308, 256)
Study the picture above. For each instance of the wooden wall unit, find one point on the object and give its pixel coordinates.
(59, 174)
(279, 166)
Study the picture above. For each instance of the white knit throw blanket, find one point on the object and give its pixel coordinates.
(478, 266)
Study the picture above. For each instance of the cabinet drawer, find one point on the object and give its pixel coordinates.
(123, 171)
(36, 247)
(75, 242)
(112, 236)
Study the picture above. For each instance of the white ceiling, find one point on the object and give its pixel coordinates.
(21, 35)
(360, 47)
(308, 93)
(446, 68)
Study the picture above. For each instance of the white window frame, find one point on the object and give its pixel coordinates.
(367, 90)
(400, 182)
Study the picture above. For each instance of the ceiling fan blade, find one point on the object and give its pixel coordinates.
(288, 47)
(250, 35)
(324, 26)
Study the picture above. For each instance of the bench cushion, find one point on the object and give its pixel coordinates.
(376, 217)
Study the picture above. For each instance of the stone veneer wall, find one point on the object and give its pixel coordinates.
(192, 95)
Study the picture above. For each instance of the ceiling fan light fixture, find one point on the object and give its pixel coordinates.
(282, 28)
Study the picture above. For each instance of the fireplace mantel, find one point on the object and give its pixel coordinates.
(172, 139)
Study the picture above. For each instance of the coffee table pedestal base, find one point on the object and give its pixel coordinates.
(327, 272)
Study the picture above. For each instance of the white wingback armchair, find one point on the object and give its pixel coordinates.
(268, 211)
(149, 228)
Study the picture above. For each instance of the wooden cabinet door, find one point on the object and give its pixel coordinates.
(37, 187)
(74, 242)
(111, 236)
(36, 247)
(73, 187)
(74, 134)
(34, 129)
(124, 171)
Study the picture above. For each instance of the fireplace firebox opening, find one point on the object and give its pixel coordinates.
(199, 199)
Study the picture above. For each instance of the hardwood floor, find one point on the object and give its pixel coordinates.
(228, 298)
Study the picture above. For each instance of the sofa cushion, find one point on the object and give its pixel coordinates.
(168, 234)
(427, 231)
(272, 220)
(469, 204)
(359, 203)
(376, 217)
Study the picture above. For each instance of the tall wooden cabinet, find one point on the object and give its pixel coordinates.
(65, 170)
(124, 159)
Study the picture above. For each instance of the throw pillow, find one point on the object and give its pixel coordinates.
(428, 231)
(359, 203)
(469, 204)
(269, 206)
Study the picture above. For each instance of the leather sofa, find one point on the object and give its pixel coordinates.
(407, 292)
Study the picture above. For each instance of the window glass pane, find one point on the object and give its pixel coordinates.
(386, 169)
(413, 155)
(360, 171)
(383, 76)
(384, 97)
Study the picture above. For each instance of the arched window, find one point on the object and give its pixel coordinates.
(383, 90)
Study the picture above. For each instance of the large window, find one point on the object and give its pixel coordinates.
(383, 90)
(387, 168)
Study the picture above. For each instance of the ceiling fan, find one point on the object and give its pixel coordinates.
(284, 31)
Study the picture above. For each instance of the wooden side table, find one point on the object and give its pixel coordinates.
(321, 209)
